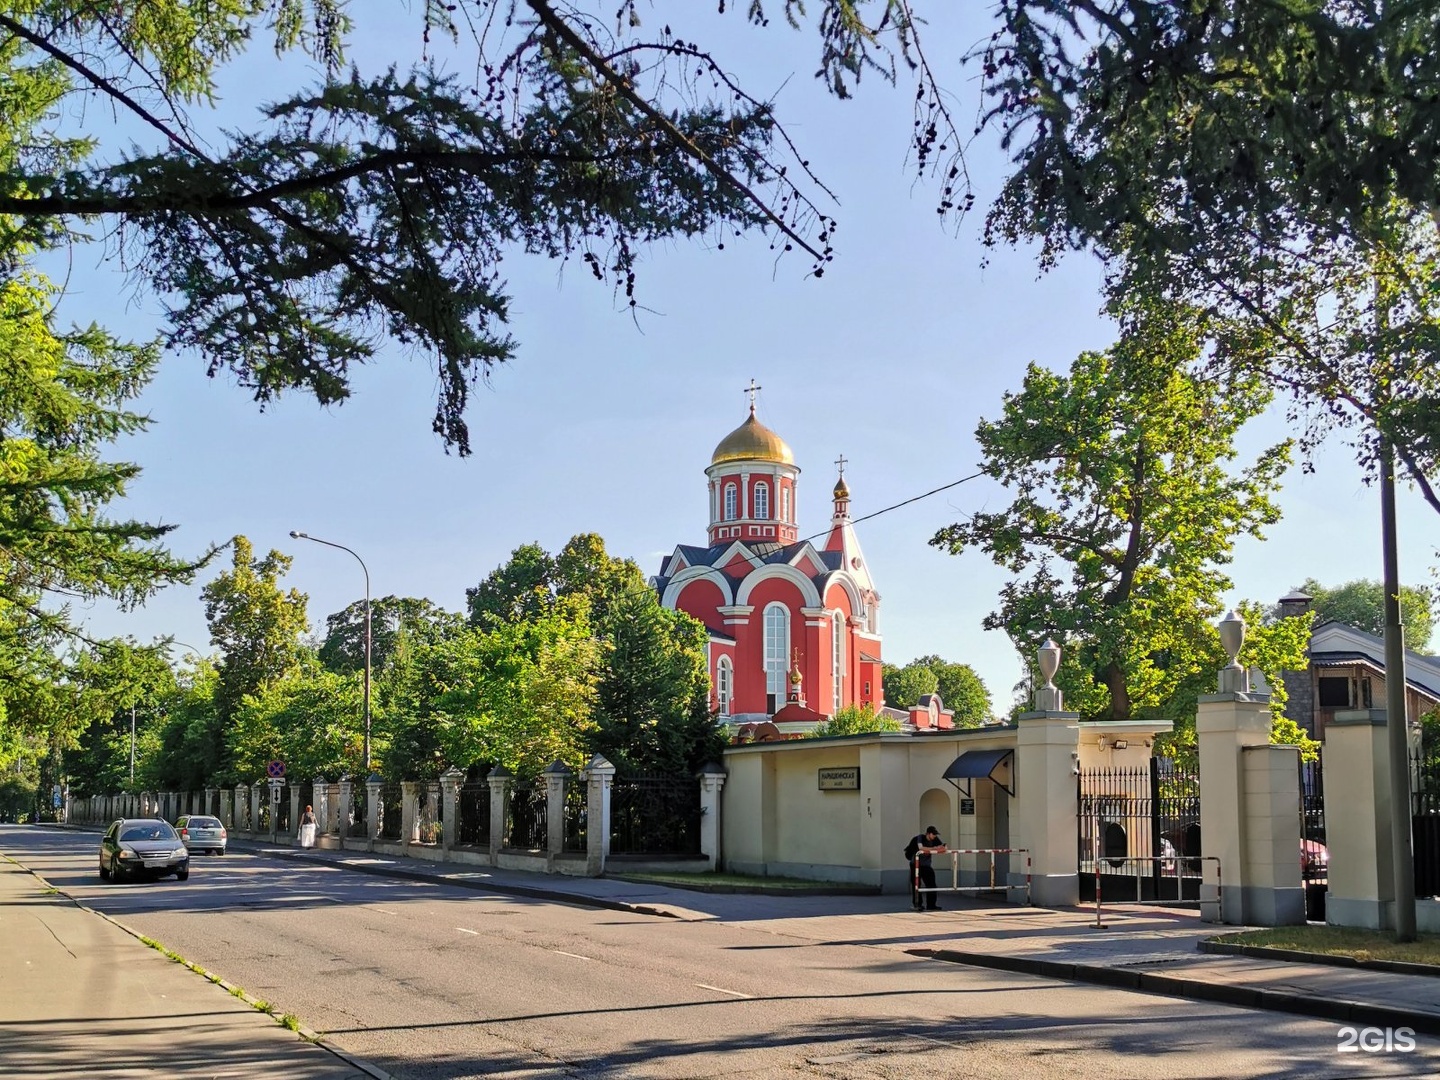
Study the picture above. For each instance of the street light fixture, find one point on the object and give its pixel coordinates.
(294, 535)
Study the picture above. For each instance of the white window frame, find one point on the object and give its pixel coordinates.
(762, 501)
(837, 657)
(724, 683)
(731, 501)
(777, 650)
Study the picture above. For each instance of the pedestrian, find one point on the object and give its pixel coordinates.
(922, 874)
(307, 828)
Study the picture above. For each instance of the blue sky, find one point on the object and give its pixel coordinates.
(604, 423)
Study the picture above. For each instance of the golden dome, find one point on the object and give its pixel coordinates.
(752, 441)
(842, 490)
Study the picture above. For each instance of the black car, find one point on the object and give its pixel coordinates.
(142, 847)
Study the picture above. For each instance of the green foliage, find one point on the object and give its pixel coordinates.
(378, 205)
(257, 627)
(854, 720)
(394, 622)
(190, 747)
(113, 682)
(962, 691)
(62, 403)
(311, 720)
(1125, 507)
(520, 695)
(652, 711)
(1361, 604)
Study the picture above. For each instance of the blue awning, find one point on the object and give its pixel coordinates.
(981, 765)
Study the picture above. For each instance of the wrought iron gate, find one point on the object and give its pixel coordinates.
(1139, 830)
(1314, 855)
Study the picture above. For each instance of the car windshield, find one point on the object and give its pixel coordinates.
(203, 823)
(149, 830)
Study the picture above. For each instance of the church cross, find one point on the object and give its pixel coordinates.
(840, 461)
(752, 390)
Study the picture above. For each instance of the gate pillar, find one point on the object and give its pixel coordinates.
(1249, 803)
(1357, 821)
(1046, 751)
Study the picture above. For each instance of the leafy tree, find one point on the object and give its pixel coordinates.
(1361, 604)
(382, 200)
(962, 691)
(905, 686)
(1263, 161)
(854, 720)
(310, 720)
(62, 402)
(1125, 508)
(391, 618)
(189, 748)
(652, 712)
(520, 695)
(116, 682)
(257, 626)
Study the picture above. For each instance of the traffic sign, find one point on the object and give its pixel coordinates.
(275, 770)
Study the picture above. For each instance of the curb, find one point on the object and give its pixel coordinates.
(553, 895)
(1353, 1012)
(1265, 952)
(305, 1033)
(753, 890)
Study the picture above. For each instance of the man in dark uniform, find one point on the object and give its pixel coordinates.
(926, 844)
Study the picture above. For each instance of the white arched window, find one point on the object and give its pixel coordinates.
(762, 500)
(730, 502)
(777, 650)
(837, 657)
(784, 504)
(723, 683)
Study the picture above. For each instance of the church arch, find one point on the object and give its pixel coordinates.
(691, 574)
(809, 595)
(852, 591)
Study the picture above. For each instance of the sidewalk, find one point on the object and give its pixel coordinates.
(1150, 949)
(80, 997)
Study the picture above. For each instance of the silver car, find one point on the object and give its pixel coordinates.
(202, 833)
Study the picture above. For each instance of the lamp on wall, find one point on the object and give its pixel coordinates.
(1119, 744)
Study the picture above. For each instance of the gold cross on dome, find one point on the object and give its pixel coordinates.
(752, 390)
(840, 461)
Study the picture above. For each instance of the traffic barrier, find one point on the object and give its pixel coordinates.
(955, 885)
(1173, 859)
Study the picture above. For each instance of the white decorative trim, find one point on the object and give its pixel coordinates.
(695, 573)
(785, 572)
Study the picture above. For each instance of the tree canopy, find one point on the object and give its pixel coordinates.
(962, 691)
(1361, 604)
(1125, 507)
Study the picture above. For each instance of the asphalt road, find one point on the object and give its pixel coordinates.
(431, 981)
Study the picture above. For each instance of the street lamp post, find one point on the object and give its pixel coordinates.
(294, 535)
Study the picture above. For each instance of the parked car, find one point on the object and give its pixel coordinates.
(1314, 860)
(142, 847)
(202, 833)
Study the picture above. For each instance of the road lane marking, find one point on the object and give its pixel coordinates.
(385, 911)
(573, 956)
(722, 990)
(464, 931)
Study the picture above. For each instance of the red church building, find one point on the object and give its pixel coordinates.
(794, 633)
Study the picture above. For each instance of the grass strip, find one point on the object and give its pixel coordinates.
(1357, 944)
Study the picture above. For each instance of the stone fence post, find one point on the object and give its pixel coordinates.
(555, 776)
(499, 781)
(1249, 807)
(1361, 882)
(600, 775)
(373, 784)
(242, 808)
(450, 781)
(318, 789)
(409, 817)
(295, 811)
(257, 804)
(345, 803)
(712, 780)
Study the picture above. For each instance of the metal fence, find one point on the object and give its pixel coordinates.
(359, 812)
(390, 795)
(282, 812)
(655, 815)
(525, 817)
(577, 811)
(307, 794)
(474, 810)
(1135, 816)
(1425, 819)
(429, 816)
